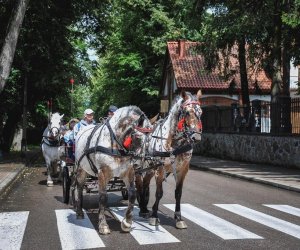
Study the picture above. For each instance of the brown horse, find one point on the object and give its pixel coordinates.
(100, 152)
(172, 142)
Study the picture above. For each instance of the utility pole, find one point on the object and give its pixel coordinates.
(72, 93)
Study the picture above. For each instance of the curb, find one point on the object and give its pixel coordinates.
(251, 179)
(10, 179)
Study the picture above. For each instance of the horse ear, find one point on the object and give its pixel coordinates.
(62, 116)
(184, 95)
(154, 119)
(199, 94)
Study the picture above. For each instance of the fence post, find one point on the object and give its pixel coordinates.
(234, 116)
(285, 108)
(256, 116)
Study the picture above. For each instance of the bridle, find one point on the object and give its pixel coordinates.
(54, 133)
(184, 129)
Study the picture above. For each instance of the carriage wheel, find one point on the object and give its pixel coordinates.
(125, 194)
(66, 185)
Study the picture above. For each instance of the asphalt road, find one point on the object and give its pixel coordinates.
(221, 213)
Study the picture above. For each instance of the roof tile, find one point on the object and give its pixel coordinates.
(190, 71)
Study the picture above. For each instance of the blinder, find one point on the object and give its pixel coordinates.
(185, 113)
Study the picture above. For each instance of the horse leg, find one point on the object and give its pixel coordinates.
(80, 181)
(127, 221)
(154, 221)
(143, 193)
(103, 226)
(180, 224)
(49, 172)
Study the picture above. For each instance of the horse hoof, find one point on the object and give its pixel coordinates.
(154, 221)
(145, 215)
(50, 183)
(181, 224)
(104, 230)
(126, 227)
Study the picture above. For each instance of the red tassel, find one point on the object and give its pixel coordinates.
(180, 124)
(127, 142)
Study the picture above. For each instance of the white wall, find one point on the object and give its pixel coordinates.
(293, 77)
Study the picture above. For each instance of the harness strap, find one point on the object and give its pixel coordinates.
(108, 151)
(144, 130)
(176, 151)
(93, 166)
(159, 137)
(113, 137)
(51, 143)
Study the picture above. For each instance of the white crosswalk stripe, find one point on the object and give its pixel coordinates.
(74, 233)
(286, 208)
(214, 224)
(81, 234)
(267, 220)
(142, 231)
(12, 228)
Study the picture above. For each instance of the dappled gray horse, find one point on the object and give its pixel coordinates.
(51, 146)
(101, 151)
(172, 143)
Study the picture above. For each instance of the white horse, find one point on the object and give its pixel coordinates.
(172, 142)
(110, 150)
(51, 149)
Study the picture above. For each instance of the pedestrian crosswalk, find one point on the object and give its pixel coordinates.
(81, 234)
(214, 224)
(12, 228)
(267, 220)
(76, 234)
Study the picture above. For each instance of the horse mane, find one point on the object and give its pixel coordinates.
(174, 111)
(130, 115)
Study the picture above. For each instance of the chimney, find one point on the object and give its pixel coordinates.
(181, 48)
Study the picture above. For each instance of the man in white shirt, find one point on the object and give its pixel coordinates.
(87, 120)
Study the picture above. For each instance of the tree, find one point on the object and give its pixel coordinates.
(49, 53)
(129, 70)
(10, 43)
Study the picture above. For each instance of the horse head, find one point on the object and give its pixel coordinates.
(54, 125)
(189, 118)
(130, 124)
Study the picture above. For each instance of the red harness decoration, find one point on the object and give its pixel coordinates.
(127, 142)
(180, 125)
(200, 125)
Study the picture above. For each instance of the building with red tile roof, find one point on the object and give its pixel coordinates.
(185, 68)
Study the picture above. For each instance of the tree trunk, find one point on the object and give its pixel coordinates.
(244, 79)
(10, 127)
(10, 42)
(276, 88)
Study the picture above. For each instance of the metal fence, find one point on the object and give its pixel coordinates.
(285, 114)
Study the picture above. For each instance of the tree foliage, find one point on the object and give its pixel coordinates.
(129, 38)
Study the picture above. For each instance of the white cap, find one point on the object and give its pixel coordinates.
(88, 112)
